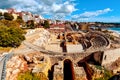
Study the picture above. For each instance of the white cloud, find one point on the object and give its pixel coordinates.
(100, 19)
(91, 14)
(49, 7)
(104, 19)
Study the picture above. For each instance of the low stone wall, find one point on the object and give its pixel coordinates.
(58, 71)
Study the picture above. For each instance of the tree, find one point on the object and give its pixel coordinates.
(1, 14)
(46, 24)
(30, 24)
(8, 16)
(11, 36)
(19, 20)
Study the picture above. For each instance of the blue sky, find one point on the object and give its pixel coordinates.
(75, 10)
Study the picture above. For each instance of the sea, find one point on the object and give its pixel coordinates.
(115, 29)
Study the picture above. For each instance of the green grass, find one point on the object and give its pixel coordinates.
(31, 76)
(107, 74)
(98, 67)
(4, 49)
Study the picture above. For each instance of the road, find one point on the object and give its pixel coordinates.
(3, 61)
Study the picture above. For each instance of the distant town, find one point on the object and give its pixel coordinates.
(38, 19)
(35, 48)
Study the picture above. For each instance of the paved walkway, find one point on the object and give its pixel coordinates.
(3, 65)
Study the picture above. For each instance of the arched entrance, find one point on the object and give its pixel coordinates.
(68, 70)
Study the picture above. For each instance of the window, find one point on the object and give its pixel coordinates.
(105, 57)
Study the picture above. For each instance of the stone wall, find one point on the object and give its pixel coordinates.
(74, 48)
(80, 73)
(110, 56)
(42, 66)
(59, 73)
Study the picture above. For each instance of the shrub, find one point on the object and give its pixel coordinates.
(46, 24)
(31, 76)
(106, 76)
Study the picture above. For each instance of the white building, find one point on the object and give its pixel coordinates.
(3, 11)
(26, 17)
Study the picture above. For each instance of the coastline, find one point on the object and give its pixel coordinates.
(114, 29)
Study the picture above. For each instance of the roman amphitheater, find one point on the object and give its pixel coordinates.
(65, 55)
